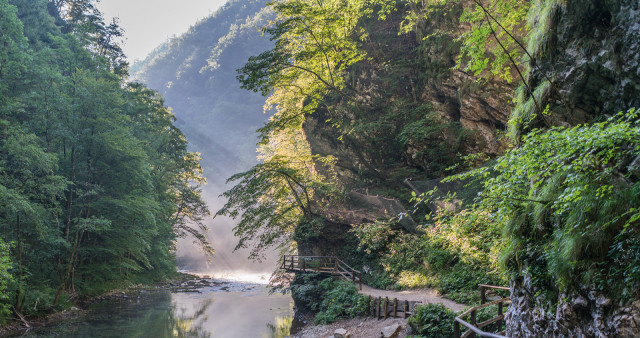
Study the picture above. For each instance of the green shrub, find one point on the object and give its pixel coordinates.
(569, 202)
(432, 320)
(328, 298)
(453, 255)
(340, 300)
(306, 292)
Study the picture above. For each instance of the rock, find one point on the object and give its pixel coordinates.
(579, 302)
(341, 333)
(390, 331)
(603, 301)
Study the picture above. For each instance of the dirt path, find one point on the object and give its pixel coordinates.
(426, 296)
(357, 327)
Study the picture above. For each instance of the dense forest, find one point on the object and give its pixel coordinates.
(96, 182)
(506, 128)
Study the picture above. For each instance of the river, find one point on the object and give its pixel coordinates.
(222, 307)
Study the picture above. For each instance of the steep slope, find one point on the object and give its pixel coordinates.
(196, 73)
(590, 51)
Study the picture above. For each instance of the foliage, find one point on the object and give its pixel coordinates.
(491, 45)
(314, 46)
(6, 279)
(275, 196)
(326, 56)
(340, 300)
(96, 182)
(432, 320)
(568, 201)
(454, 253)
(330, 299)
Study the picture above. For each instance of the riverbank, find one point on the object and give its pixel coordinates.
(182, 282)
(190, 306)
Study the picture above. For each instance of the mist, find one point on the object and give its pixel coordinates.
(218, 117)
(225, 260)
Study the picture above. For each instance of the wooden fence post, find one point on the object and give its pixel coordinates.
(499, 323)
(483, 297)
(395, 308)
(406, 308)
(456, 329)
(473, 322)
(386, 307)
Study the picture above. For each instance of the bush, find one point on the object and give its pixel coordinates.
(340, 300)
(432, 320)
(328, 298)
(453, 254)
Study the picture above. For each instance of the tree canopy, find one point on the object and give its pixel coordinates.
(96, 183)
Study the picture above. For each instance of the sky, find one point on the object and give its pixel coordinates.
(148, 23)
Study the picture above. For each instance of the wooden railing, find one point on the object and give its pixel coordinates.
(493, 327)
(383, 308)
(322, 264)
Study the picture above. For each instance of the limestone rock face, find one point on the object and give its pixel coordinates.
(593, 56)
(410, 88)
(581, 314)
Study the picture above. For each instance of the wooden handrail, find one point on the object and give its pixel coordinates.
(475, 308)
(483, 291)
(476, 328)
(325, 264)
(494, 287)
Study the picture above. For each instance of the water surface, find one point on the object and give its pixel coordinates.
(224, 309)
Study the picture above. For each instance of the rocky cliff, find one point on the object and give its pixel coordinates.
(416, 113)
(590, 51)
(586, 63)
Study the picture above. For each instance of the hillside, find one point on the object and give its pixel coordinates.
(196, 74)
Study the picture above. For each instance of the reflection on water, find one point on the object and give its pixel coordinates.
(184, 325)
(282, 327)
(231, 309)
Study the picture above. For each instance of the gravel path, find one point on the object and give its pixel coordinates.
(371, 327)
(426, 296)
(357, 327)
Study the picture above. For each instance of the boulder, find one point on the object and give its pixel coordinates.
(391, 331)
(341, 333)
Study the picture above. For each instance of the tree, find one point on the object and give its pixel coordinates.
(274, 197)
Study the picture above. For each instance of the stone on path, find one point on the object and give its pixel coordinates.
(341, 333)
(391, 331)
